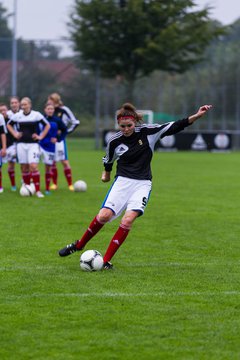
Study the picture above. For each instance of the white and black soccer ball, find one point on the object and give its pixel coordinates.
(91, 260)
(80, 186)
(27, 190)
(33, 189)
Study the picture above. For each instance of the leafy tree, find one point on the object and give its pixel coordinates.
(133, 38)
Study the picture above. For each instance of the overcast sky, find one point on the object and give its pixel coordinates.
(46, 19)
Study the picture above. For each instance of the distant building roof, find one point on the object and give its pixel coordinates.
(63, 71)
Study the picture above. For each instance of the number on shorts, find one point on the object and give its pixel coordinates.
(144, 201)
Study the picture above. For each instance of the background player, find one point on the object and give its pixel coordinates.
(68, 118)
(3, 147)
(27, 124)
(56, 132)
(11, 156)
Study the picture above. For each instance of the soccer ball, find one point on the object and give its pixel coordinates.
(33, 189)
(27, 190)
(80, 186)
(91, 260)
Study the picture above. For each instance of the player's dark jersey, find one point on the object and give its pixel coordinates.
(27, 124)
(60, 125)
(134, 153)
(46, 143)
(10, 138)
(68, 118)
(2, 127)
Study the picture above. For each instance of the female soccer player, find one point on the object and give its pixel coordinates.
(133, 148)
(48, 144)
(27, 122)
(11, 156)
(68, 118)
(3, 146)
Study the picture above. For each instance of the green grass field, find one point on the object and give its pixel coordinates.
(175, 289)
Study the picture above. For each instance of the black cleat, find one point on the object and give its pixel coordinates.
(107, 266)
(68, 250)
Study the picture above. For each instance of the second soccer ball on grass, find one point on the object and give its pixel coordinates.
(80, 186)
(27, 190)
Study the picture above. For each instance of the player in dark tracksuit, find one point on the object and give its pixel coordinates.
(65, 114)
(133, 148)
(3, 146)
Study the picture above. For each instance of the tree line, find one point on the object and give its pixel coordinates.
(166, 57)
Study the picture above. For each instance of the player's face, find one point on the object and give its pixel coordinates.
(25, 106)
(14, 105)
(127, 126)
(49, 110)
(3, 110)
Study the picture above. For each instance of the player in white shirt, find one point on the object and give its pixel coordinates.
(25, 127)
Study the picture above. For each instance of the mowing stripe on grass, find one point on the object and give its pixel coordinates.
(118, 294)
(135, 265)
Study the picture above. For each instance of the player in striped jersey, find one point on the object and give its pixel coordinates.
(3, 146)
(24, 126)
(133, 148)
(70, 121)
(11, 156)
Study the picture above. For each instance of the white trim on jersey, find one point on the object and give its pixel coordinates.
(69, 120)
(153, 138)
(2, 123)
(32, 116)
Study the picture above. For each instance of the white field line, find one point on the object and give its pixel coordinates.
(135, 265)
(126, 295)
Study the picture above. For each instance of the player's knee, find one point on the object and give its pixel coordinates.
(105, 215)
(128, 219)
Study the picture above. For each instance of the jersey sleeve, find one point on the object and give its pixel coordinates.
(110, 156)
(176, 127)
(3, 129)
(156, 131)
(12, 121)
(63, 128)
(73, 122)
(41, 118)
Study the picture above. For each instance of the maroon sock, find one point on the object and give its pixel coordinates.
(36, 180)
(11, 174)
(92, 230)
(116, 242)
(68, 175)
(54, 173)
(47, 180)
(26, 177)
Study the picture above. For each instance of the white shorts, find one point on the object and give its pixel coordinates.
(47, 156)
(127, 194)
(11, 155)
(28, 153)
(61, 151)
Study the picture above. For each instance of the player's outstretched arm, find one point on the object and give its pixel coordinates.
(201, 111)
